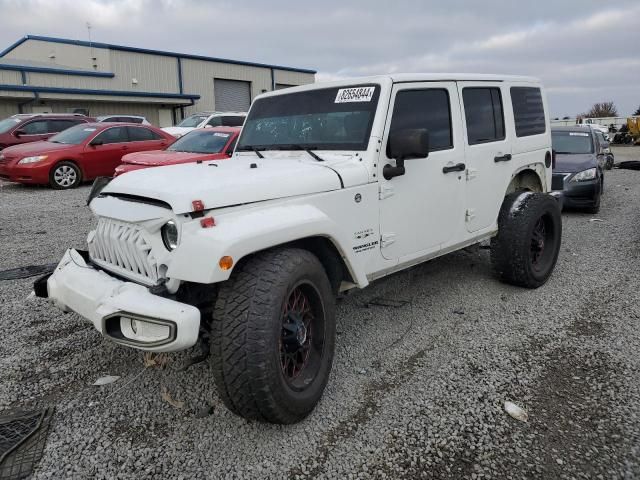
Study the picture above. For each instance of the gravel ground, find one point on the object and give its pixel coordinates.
(417, 388)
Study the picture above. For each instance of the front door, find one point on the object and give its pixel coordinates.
(488, 151)
(424, 208)
(103, 154)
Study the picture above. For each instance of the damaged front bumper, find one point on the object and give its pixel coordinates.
(124, 312)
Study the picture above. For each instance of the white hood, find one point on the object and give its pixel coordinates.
(177, 131)
(235, 181)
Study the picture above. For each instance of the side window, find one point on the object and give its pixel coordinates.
(114, 135)
(56, 126)
(38, 127)
(232, 121)
(215, 122)
(528, 111)
(428, 109)
(484, 115)
(141, 134)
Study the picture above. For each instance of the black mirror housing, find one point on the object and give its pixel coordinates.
(95, 143)
(408, 143)
(405, 144)
(18, 133)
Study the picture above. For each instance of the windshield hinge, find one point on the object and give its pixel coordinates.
(471, 173)
(470, 214)
(386, 191)
(387, 239)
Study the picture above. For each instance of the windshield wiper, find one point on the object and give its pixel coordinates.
(251, 148)
(294, 146)
(313, 154)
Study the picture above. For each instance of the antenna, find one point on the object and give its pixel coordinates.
(93, 58)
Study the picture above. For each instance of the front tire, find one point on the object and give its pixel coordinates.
(65, 175)
(273, 336)
(526, 249)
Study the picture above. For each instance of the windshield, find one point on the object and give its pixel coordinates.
(74, 135)
(201, 141)
(572, 142)
(192, 121)
(327, 119)
(8, 123)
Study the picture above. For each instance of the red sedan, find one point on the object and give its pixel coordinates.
(203, 144)
(79, 153)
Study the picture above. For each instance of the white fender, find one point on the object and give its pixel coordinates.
(241, 233)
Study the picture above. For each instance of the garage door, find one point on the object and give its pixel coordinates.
(232, 95)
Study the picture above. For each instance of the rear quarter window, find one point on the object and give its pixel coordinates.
(528, 111)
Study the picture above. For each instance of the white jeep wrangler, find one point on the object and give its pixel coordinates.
(331, 186)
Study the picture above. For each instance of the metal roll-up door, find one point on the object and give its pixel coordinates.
(232, 95)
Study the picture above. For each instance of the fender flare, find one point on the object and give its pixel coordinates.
(537, 169)
(243, 233)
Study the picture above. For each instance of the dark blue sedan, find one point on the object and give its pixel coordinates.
(578, 169)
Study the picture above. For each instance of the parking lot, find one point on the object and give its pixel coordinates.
(424, 362)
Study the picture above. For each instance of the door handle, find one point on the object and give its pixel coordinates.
(502, 158)
(458, 167)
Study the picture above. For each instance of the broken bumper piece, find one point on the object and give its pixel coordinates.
(124, 312)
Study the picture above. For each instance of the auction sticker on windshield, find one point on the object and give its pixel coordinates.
(359, 94)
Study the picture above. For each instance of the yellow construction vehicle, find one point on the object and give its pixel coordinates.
(629, 133)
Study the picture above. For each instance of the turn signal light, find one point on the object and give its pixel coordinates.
(226, 263)
(207, 222)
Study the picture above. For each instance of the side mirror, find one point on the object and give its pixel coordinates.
(19, 133)
(96, 142)
(404, 145)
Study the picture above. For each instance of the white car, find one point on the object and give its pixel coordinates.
(206, 119)
(123, 118)
(331, 187)
(589, 123)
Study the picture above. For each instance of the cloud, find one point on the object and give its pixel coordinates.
(583, 50)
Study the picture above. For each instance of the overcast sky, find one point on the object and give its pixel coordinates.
(584, 51)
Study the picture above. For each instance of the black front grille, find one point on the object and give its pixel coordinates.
(557, 181)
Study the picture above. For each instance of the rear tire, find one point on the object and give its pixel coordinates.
(526, 249)
(609, 163)
(65, 175)
(273, 336)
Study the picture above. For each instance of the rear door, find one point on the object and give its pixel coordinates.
(424, 208)
(488, 151)
(143, 139)
(102, 159)
(32, 131)
(57, 126)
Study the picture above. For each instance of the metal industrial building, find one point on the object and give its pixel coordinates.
(56, 75)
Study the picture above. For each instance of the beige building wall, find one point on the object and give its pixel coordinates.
(74, 56)
(152, 73)
(286, 77)
(9, 77)
(198, 76)
(8, 108)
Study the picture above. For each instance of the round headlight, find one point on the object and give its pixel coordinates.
(170, 235)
